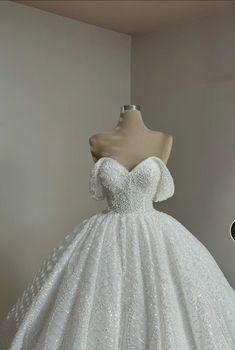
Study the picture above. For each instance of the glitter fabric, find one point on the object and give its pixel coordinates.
(127, 278)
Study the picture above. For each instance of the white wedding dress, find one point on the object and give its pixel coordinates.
(127, 278)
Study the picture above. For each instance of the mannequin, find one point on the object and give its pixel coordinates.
(129, 276)
(130, 142)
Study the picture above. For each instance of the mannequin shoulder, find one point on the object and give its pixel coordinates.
(99, 138)
(163, 143)
(167, 147)
(93, 139)
(164, 138)
(98, 144)
(168, 139)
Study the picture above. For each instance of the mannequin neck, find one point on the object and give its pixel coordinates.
(130, 120)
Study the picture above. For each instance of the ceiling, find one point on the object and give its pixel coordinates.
(131, 17)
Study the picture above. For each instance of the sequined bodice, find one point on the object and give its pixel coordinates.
(125, 282)
(131, 191)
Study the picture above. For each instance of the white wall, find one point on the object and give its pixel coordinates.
(184, 79)
(60, 81)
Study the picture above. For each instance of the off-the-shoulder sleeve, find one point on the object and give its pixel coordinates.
(95, 187)
(165, 187)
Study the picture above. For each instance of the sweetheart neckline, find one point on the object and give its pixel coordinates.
(136, 166)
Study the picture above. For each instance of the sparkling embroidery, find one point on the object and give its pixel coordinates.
(127, 278)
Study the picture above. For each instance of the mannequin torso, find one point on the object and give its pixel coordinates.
(131, 141)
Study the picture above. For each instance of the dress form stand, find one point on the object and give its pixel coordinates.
(130, 141)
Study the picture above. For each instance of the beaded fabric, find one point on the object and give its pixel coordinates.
(127, 278)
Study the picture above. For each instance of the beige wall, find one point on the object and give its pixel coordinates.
(61, 81)
(184, 79)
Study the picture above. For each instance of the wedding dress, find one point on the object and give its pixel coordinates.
(127, 278)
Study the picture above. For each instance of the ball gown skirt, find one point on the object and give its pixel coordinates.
(127, 278)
